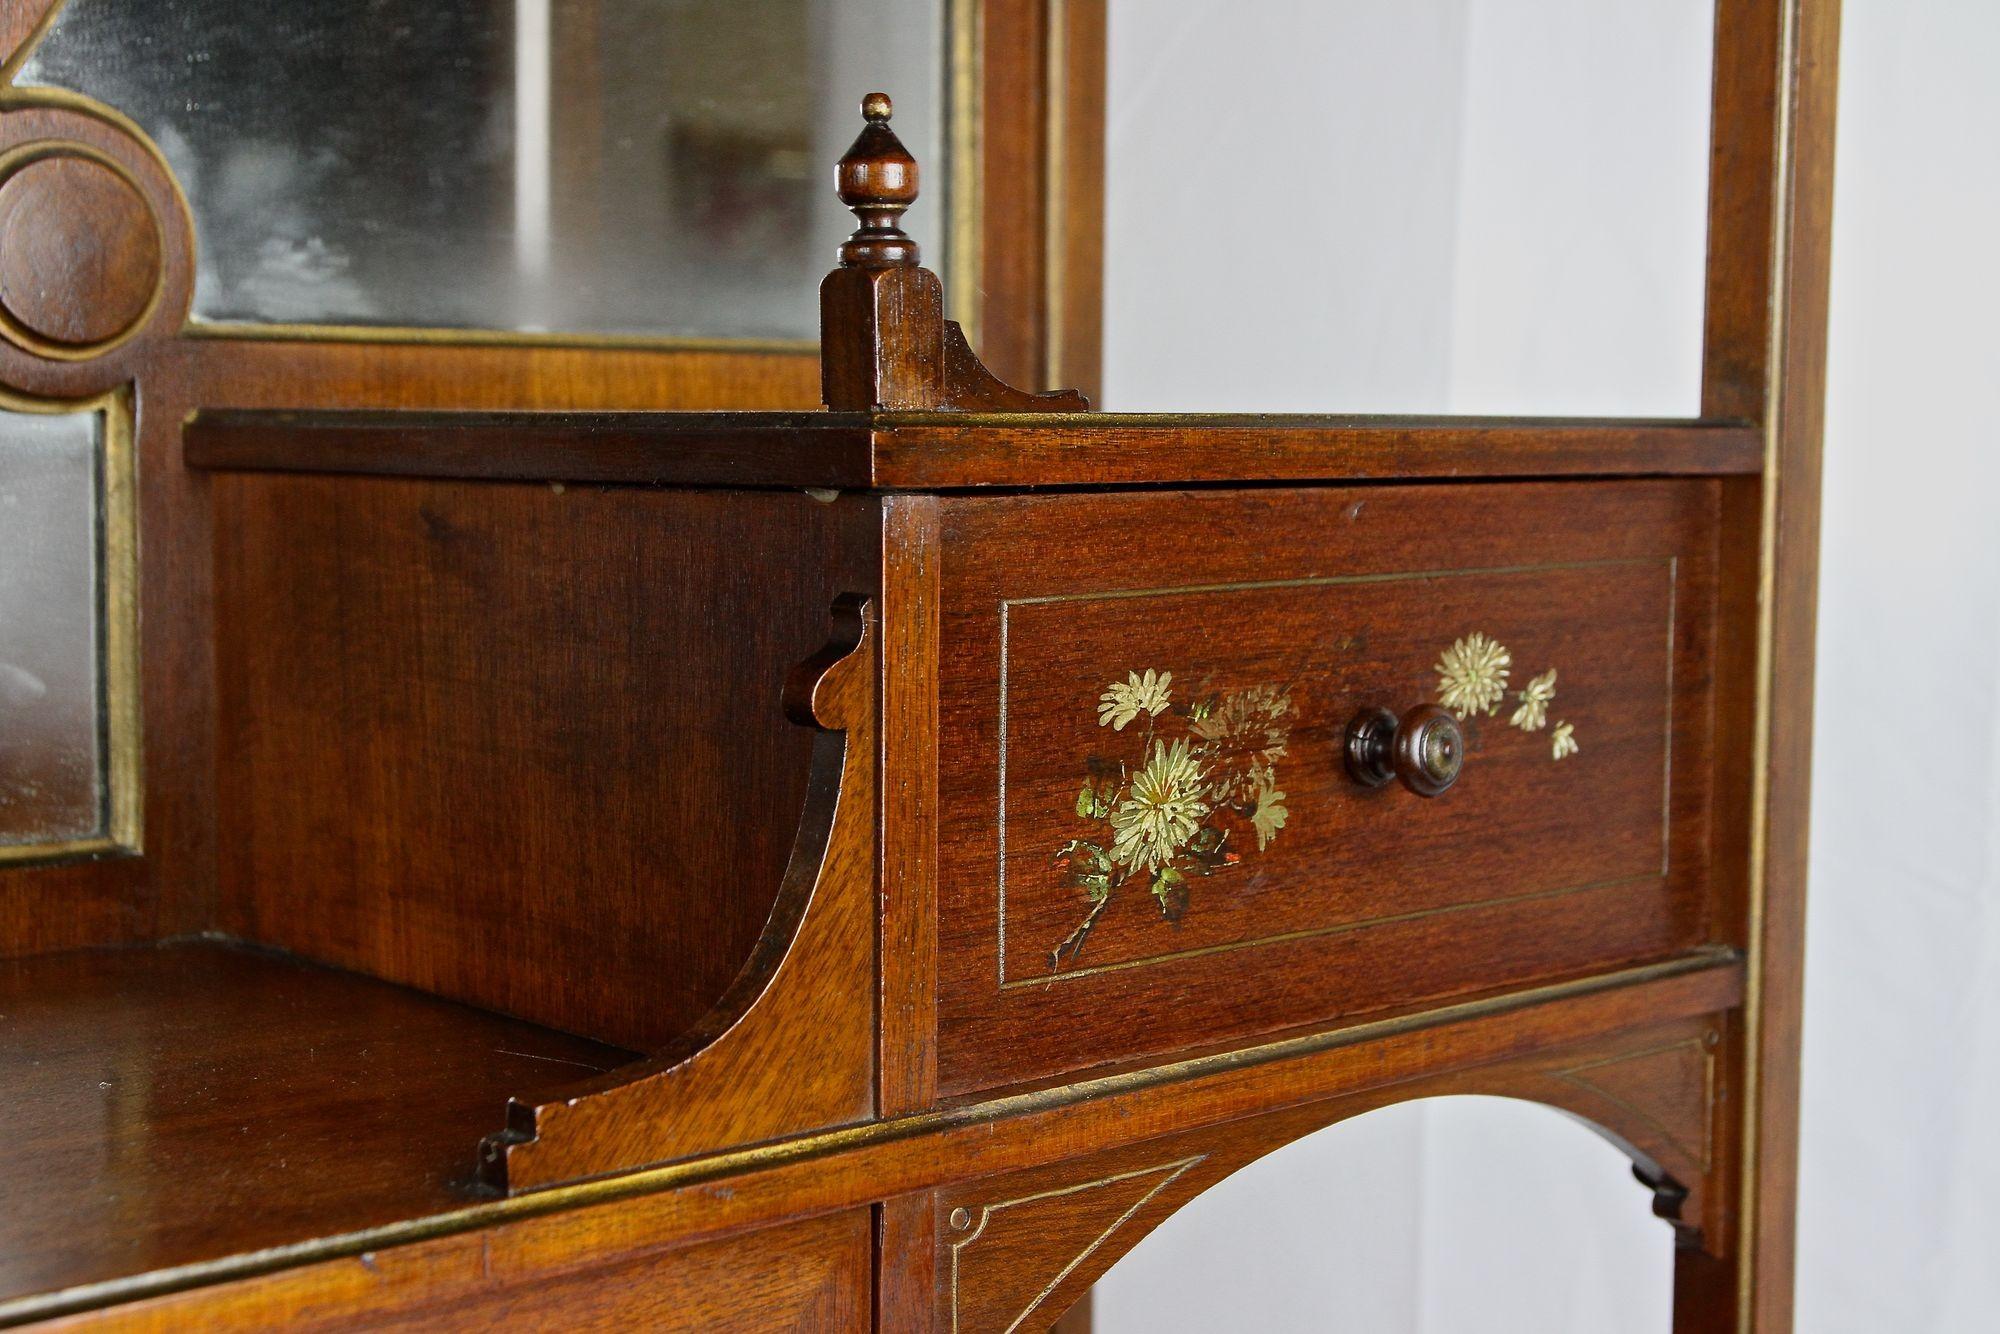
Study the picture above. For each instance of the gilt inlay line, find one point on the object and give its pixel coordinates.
(1173, 1170)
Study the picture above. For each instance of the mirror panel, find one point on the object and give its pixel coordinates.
(575, 166)
(55, 720)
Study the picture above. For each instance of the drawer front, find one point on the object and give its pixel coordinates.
(1149, 834)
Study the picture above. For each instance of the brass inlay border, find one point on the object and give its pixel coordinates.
(828, 1143)
(1005, 983)
(117, 610)
(1174, 1170)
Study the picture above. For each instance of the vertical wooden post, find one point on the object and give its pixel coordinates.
(1771, 197)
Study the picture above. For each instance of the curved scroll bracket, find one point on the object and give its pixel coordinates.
(790, 1046)
(885, 344)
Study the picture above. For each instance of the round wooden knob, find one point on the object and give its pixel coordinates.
(1424, 749)
(80, 255)
(877, 178)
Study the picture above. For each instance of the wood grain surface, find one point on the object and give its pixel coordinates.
(520, 746)
(173, 1104)
(1324, 603)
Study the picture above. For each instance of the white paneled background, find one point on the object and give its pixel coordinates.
(1486, 206)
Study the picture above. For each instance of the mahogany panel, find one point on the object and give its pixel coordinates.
(807, 1275)
(1200, 655)
(169, 1105)
(521, 746)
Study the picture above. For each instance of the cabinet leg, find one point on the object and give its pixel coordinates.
(1704, 1293)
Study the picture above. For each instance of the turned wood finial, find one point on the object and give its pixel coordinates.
(877, 178)
(885, 345)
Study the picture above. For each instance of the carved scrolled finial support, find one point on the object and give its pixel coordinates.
(885, 344)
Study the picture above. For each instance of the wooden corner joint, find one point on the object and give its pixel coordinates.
(808, 984)
(885, 345)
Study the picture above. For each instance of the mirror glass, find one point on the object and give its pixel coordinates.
(52, 714)
(651, 167)
(1406, 206)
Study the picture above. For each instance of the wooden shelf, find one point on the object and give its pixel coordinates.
(958, 451)
(171, 1105)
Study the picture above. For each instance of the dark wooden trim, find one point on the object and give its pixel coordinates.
(955, 451)
(645, 449)
(1041, 186)
(1741, 193)
(1803, 198)
(1110, 449)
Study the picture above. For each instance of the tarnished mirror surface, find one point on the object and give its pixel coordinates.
(55, 724)
(648, 167)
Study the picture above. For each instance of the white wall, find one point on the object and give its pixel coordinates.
(1405, 206)
(1273, 245)
(1900, 1199)
(1372, 122)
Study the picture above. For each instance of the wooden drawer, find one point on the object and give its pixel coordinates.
(1144, 703)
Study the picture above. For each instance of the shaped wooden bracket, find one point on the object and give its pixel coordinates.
(790, 1046)
(885, 345)
(1013, 1251)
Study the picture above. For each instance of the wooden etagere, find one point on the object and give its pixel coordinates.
(864, 868)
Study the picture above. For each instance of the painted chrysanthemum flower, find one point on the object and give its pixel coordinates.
(1533, 715)
(1472, 675)
(1123, 701)
(1563, 740)
(1269, 817)
(1164, 809)
(1249, 730)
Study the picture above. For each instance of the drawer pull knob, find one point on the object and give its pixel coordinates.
(1424, 748)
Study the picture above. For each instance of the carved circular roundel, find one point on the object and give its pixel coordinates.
(80, 252)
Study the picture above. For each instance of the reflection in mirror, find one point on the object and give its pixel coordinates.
(1406, 206)
(1433, 1217)
(53, 729)
(593, 166)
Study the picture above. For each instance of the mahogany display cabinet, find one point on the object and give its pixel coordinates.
(864, 868)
